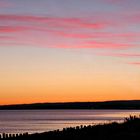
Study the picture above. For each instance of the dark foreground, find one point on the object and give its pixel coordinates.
(130, 129)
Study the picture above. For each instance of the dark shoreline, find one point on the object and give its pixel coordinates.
(118, 105)
(129, 129)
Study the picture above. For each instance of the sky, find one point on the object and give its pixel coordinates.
(69, 50)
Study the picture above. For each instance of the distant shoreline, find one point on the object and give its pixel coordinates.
(115, 105)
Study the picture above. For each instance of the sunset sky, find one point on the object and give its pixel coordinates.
(69, 50)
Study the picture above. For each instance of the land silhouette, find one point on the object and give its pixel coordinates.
(129, 129)
(122, 104)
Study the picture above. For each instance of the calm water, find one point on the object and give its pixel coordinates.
(44, 120)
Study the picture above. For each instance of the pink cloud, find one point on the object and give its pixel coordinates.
(82, 38)
(120, 54)
(68, 34)
(8, 29)
(102, 35)
(96, 23)
(76, 30)
(134, 63)
(108, 45)
(54, 21)
(34, 40)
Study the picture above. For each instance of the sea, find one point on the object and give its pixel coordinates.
(37, 121)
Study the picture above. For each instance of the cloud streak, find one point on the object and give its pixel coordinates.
(8, 29)
(108, 45)
(54, 21)
(120, 54)
(68, 32)
(134, 63)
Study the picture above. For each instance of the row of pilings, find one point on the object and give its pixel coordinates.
(12, 136)
(6, 136)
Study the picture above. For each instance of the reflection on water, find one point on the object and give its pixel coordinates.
(19, 121)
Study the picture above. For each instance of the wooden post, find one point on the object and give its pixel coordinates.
(20, 135)
(10, 136)
(16, 135)
(6, 136)
(13, 136)
(3, 136)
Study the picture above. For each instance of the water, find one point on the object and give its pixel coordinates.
(32, 121)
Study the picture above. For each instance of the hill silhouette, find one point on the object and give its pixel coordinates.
(122, 104)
